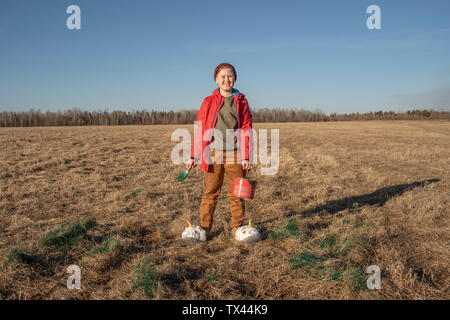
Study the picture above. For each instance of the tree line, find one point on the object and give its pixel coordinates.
(77, 117)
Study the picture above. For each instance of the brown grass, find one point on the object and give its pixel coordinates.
(347, 195)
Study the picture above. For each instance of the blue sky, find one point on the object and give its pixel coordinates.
(133, 55)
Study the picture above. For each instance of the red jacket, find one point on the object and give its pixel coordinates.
(207, 116)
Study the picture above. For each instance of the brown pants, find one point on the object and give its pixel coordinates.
(213, 186)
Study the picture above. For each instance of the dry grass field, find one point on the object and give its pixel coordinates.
(347, 195)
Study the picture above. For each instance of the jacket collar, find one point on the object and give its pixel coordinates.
(234, 91)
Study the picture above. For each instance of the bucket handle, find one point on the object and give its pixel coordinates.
(248, 170)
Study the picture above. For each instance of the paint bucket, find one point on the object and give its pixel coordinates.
(244, 188)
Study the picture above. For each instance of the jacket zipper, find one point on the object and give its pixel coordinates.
(237, 117)
(214, 119)
(237, 113)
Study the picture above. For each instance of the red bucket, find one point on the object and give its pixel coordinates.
(244, 188)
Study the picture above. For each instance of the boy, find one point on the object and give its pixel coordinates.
(226, 108)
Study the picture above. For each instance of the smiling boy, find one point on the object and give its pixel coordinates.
(225, 109)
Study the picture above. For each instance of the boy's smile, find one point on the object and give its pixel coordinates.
(225, 80)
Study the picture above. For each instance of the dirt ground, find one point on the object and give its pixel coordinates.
(347, 195)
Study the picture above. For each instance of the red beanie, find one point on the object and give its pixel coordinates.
(223, 66)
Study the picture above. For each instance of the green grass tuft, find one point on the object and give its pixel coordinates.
(316, 266)
(356, 279)
(289, 229)
(292, 228)
(328, 242)
(136, 192)
(212, 277)
(336, 275)
(64, 239)
(19, 256)
(109, 244)
(146, 278)
(304, 259)
(90, 224)
(343, 246)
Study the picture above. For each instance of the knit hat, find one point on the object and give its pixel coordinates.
(222, 66)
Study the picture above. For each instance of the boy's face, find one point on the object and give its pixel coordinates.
(225, 79)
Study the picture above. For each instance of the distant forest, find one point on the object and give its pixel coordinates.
(76, 117)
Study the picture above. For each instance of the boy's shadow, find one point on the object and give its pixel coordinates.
(379, 197)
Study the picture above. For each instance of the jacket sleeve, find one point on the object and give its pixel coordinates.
(247, 128)
(198, 134)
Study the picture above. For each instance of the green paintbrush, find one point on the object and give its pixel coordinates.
(183, 175)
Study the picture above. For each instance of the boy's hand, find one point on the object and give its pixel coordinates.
(246, 165)
(191, 164)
